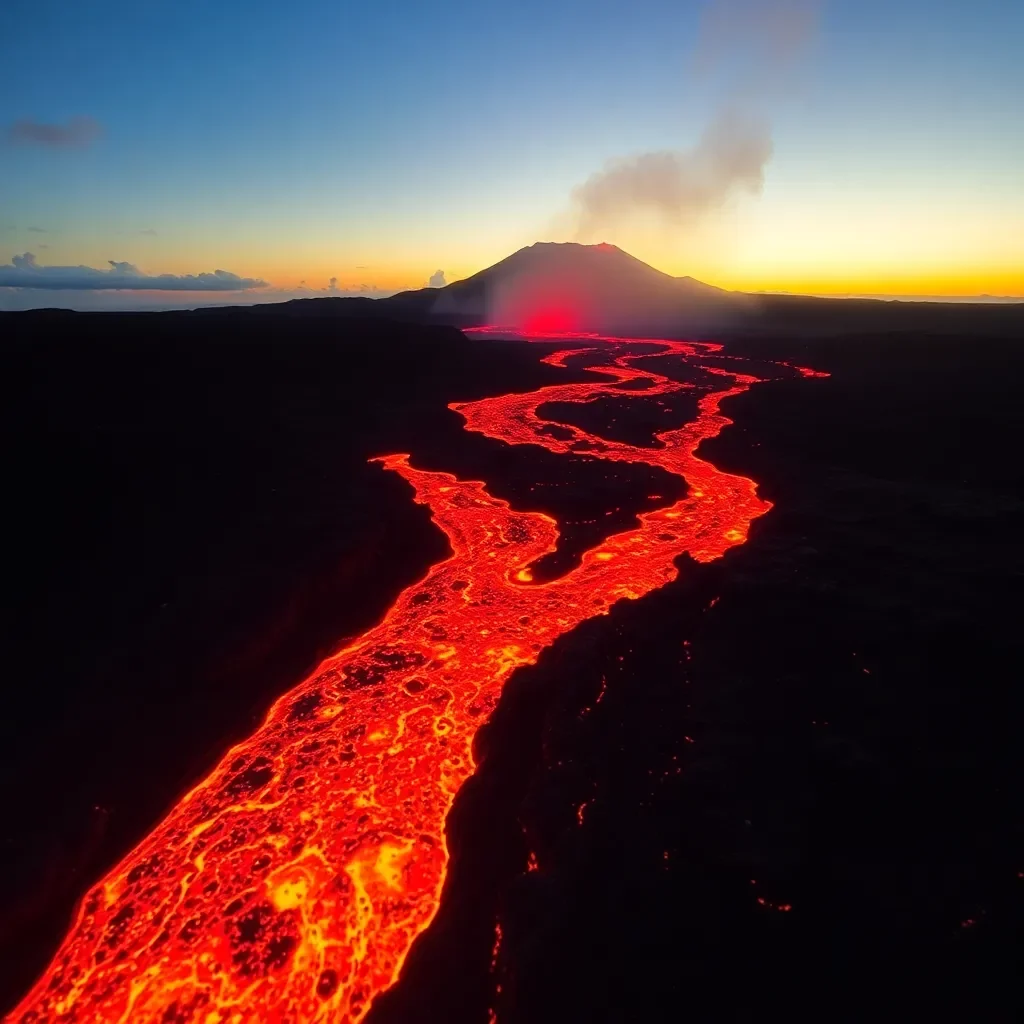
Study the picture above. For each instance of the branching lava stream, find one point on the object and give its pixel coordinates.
(289, 885)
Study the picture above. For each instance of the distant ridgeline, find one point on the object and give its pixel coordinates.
(553, 287)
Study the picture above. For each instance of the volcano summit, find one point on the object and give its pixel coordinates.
(552, 286)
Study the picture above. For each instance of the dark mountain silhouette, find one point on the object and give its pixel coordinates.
(566, 287)
(551, 286)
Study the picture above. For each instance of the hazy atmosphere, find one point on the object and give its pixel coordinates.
(160, 155)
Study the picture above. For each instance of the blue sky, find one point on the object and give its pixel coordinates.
(375, 145)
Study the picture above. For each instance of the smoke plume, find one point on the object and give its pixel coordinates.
(744, 48)
(677, 184)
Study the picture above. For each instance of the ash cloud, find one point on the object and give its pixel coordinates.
(437, 279)
(78, 133)
(24, 272)
(730, 157)
(745, 48)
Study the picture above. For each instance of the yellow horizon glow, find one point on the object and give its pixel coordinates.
(998, 280)
(809, 254)
(969, 284)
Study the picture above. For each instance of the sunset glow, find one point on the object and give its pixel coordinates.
(889, 164)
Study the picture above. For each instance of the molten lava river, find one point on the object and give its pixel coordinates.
(289, 885)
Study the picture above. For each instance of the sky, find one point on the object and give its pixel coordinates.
(187, 152)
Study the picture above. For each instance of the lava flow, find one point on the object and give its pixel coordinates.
(289, 885)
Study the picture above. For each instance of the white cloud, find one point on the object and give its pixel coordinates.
(24, 272)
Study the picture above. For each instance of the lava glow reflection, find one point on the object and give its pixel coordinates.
(549, 321)
(290, 884)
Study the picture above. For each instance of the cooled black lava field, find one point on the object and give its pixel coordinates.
(786, 781)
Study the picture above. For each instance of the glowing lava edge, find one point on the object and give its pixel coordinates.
(289, 885)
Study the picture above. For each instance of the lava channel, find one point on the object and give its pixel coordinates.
(289, 885)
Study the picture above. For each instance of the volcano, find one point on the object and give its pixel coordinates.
(564, 287)
(558, 287)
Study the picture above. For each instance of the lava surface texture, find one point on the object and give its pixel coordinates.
(291, 883)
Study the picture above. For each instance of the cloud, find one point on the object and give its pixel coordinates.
(748, 47)
(148, 231)
(729, 158)
(333, 288)
(127, 299)
(437, 279)
(38, 231)
(24, 272)
(77, 133)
